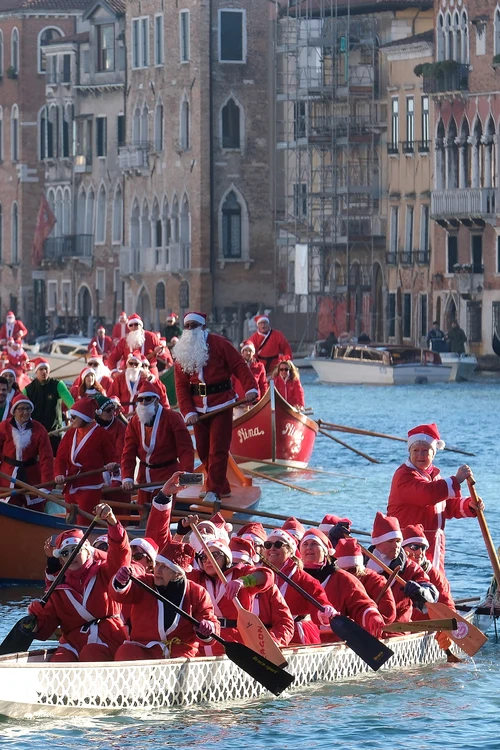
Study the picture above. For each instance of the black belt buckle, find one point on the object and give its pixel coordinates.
(202, 390)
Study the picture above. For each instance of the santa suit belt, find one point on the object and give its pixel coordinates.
(227, 623)
(85, 628)
(203, 389)
(160, 465)
(19, 464)
(302, 618)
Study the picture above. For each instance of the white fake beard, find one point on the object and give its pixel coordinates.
(135, 339)
(133, 374)
(146, 412)
(21, 438)
(191, 351)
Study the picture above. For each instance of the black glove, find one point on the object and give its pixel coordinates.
(162, 499)
(341, 530)
(53, 565)
(182, 530)
(413, 589)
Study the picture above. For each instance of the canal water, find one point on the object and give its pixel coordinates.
(437, 707)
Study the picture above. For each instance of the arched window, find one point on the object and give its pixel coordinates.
(231, 227)
(53, 132)
(42, 133)
(496, 32)
(448, 35)
(118, 216)
(66, 214)
(67, 130)
(45, 37)
(452, 176)
(14, 133)
(100, 224)
(440, 170)
(89, 212)
(58, 213)
(159, 127)
(14, 235)
(157, 225)
(457, 31)
(464, 155)
(1, 133)
(136, 127)
(145, 225)
(14, 50)
(1, 52)
(185, 234)
(145, 124)
(160, 296)
(166, 223)
(81, 204)
(135, 228)
(184, 125)
(465, 38)
(175, 220)
(231, 124)
(440, 38)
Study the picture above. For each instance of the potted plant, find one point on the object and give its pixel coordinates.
(11, 72)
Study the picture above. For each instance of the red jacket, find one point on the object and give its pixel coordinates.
(116, 433)
(124, 390)
(291, 390)
(37, 453)
(259, 372)
(223, 361)
(270, 347)
(122, 350)
(90, 449)
(76, 603)
(147, 616)
(374, 584)
(16, 328)
(442, 584)
(103, 346)
(304, 613)
(410, 571)
(275, 614)
(119, 331)
(158, 524)
(427, 498)
(349, 597)
(162, 449)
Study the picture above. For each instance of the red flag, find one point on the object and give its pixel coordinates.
(44, 224)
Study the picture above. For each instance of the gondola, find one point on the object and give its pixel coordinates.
(496, 344)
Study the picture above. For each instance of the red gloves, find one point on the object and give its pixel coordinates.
(122, 577)
(328, 613)
(375, 624)
(205, 628)
(36, 608)
(233, 588)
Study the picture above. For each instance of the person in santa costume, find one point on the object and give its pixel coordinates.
(287, 382)
(294, 528)
(137, 339)
(256, 368)
(386, 546)
(17, 359)
(349, 557)
(156, 630)
(84, 447)
(204, 364)
(25, 451)
(172, 329)
(92, 628)
(11, 328)
(415, 545)
(48, 395)
(160, 440)
(125, 384)
(101, 343)
(88, 385)
(120, 329)
(164, 359)
(5, 401)
(146, 374)
(419, 494)
(280, 548)
(96, 363)
(269, 343)
(244, 581)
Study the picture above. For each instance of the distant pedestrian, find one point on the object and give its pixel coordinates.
(457, 338)
(435, 334)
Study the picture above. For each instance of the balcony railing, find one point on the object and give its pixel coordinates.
(134, 156)
(393, 149)
(424, 147)
(454, 78)
(463, 203)
(422, 257)
(406, 257)
(408, 147)
(391, 259)
(68, 246)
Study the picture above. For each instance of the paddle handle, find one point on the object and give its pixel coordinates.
(33, 490)
(260, 475)
(421, 626)
(45, 598)
(294, 585)
(488, 541)
(388, 583)
(346, 445)
(214, 413)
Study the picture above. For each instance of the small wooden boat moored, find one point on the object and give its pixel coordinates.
(32, 687)
(273, 431)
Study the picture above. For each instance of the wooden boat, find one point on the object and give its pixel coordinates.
(273, 430)
(167, 377)
(33, 528)
(65, 355)
(31, 687)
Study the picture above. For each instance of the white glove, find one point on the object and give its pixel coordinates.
(328, 614)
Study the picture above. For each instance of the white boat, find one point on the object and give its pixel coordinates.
(462, 365)
(384, 364)
(66, 356)
(30, 686)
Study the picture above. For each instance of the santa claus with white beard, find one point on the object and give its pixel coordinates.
(160, 440)
(204, 364)
(11, 328)
(137, 339)
(26, 451)
(126, 384)
(120, 328)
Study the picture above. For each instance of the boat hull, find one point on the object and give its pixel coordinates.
(345, 372)
(274, 431)
(30, 687)
(462, 366)
(167, 377)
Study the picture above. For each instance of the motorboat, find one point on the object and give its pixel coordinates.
(462, 365)
(65, 355)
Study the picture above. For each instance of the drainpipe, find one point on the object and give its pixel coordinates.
(212, 148)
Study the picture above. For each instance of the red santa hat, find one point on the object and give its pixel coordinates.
(145, 361)
(101, 328)
(221, 527)
(426, 433)
(147, 545)
(414, 535)
(348, 553)
(253, 531)
(195, 317)
(86, 371)
(93, 353)
(17, 337)
(10, 316)
(103, 539)
(68, 538)
(20, 398)
(8, 369)
(134, 356)
(261, 318)
(222, 546)
(285, 537)
(148, 388)
(172, 316)
(330, 520)
(123, 314)
(321, 539)
(177, 556)
(84, 408)
(242, 550)
(40, 362)
(385, 528)
(294, 528)
(135, 319)
(247, 345)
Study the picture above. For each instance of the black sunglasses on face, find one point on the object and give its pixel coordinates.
(415, 547)
(278, 544)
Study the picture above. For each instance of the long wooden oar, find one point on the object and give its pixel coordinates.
(272, 677)
(66, 479)
(488, 541)
(61, 429)
(307, 469)
(261, 475)
(421, 626)
(467, 636)
(387, 584)
(346, 445)
(371, 433)
(252, 630)
(22, 634)
(366, 646)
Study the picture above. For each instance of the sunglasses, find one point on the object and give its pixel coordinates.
(202, 557)
(191, 326)
(146, 400)
(133, 364)
(133, 325)
(67, 552)
(139, 556)
(279, 544)
(415, 547)
(284, 369)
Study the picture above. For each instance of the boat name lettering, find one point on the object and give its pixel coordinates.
(251, 432)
